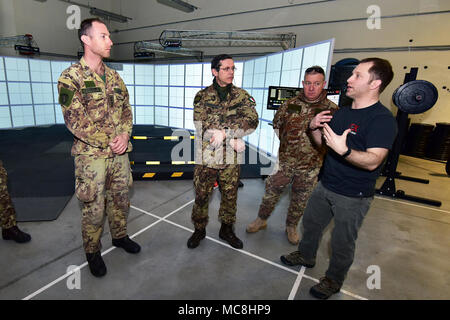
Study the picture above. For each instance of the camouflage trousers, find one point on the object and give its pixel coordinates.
(303, 182)
(228, 180)
(102, 187)
(7, 212)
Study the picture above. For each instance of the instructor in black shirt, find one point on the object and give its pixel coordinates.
(358, 139)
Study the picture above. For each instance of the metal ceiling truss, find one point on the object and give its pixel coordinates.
(24, 44)
(24, 40)
(205, 38)
(161, 52)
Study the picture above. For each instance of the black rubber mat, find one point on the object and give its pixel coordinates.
(40, 170)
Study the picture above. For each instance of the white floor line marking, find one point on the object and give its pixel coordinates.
(225, 244)
(343, 291)
(297, 283)
(411, 204)
(302, 270)
(157, 217)
(187, 229)
(353, 295)
(51, 284)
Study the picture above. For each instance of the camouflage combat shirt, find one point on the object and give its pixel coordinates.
(236, 114)
(292, 120)
(94, 111)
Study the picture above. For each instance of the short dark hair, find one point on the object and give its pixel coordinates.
(381, 69)
(315, 69)
(216, 61)
(85, 25)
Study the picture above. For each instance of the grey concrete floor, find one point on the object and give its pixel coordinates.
(408, 243)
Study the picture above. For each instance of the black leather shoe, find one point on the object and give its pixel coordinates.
(197, 236)
(15, 234)
(127, 244)
(96, 264)
(226, 233)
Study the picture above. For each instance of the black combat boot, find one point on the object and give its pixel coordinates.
(96, 264)
(197, 236)
(226, 233)
(15, 234)
(127, 244)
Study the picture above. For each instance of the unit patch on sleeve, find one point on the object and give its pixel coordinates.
(65, 96)
(197, 98)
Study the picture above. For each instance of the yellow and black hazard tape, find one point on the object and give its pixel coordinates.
(181, 175)
(171, 138)
(158, 163)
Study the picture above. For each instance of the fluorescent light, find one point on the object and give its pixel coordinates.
(178, 4)
(108, 15)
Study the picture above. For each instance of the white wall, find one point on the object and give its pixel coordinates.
(424, 30)
(47, 22)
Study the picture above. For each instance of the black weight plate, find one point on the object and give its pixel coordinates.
(415, 96)
(395, 95)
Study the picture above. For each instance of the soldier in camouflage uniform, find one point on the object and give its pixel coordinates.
(223, 114)
(299, 159)
(96, 109)
(10, 231)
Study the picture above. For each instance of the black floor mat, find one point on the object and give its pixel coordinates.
(40, 170)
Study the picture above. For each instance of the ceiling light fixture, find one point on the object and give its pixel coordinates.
(108, 15)
(178, 4)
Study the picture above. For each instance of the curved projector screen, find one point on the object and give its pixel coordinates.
(160, 94)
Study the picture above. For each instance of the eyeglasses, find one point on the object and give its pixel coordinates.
(315, 84)
(227, 69)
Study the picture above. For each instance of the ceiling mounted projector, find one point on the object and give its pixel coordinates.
(178, 4)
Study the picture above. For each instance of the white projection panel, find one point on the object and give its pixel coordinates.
(5, 117)
(194, 75)
(17, 69)
(144, 74)
(3, 94)
(160, 94)
(284, 68)
(145, 115)
(2, 70)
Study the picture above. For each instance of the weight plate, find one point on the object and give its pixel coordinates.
(415, 96)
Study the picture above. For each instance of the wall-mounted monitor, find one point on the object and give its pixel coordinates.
(334, 95)
(278, 95)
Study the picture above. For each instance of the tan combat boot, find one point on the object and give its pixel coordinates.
(292, 234)
(257, 225)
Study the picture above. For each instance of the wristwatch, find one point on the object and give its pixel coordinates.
(345, 155)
